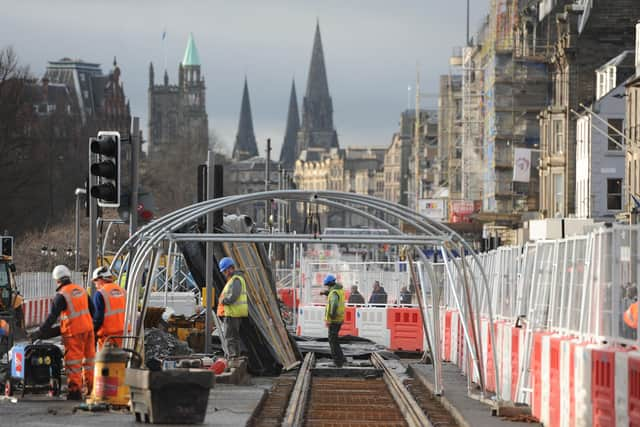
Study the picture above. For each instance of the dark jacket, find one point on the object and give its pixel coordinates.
(405, 297)
(379, 297)
(356, 298)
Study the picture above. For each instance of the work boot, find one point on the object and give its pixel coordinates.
(74, 395)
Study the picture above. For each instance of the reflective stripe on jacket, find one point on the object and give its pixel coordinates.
(114, 304)
(75, 318)
(240, 308)
(336, 307)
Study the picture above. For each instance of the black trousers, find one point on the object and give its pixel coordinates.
(336, 351)
(232, 335)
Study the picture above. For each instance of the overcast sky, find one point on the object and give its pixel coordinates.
(371, 49)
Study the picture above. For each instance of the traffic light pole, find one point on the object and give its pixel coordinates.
(93, 229)
(135, 177)
(209, 258)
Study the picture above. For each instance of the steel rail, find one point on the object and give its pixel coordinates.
(298, 400)
(412, 412)
(300, 238)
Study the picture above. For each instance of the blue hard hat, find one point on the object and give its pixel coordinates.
(329, 279)
(225, 263)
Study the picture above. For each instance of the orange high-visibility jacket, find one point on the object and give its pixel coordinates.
(114, 304)
(631, 316)
(75, 318)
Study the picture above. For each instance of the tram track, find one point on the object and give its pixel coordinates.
(323, 400)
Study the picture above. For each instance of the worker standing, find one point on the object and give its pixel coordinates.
(334, 317)
(109, 302)
(236, 306)
(74, 307)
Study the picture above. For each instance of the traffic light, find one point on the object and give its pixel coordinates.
(6, 246)
(106, 168)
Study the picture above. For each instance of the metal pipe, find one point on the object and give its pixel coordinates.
(78, 193)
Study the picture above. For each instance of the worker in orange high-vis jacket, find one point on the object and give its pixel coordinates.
(74, 307)
(631, 316)
(109, 302)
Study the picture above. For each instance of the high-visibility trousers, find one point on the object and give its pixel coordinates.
(79, 355)
(102, 339)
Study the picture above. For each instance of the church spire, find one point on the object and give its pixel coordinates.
(245, 146)
(191, 57)
(288, 151)
(317, 108)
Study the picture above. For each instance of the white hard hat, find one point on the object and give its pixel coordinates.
(102, 273)
(60, 271)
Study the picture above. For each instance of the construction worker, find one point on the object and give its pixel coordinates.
(109, 302)
(334, 316)
(631, 316)
(74, 307)
(236, 305)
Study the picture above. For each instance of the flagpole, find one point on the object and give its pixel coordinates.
(164, 47)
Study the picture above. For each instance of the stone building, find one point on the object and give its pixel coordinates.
(355, 170)
(44, 134)
(632, 114)
(449, 167)
(587, 34)
(177, 113)
(599, 151)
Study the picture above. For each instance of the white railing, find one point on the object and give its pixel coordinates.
(36, 285)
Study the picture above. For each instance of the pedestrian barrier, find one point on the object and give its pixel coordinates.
(634, 390)
(405, 327)
(349, 325)
(372, 324)
(311, 322)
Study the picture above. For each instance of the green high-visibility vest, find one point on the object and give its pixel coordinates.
(240, 308)
(339, 317)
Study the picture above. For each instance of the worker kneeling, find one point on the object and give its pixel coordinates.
(236, 306)
(109, 302)
(334, 317)
(74, 307)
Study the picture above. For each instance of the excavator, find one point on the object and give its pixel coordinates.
(11, 306)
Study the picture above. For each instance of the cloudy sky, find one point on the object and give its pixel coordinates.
(372, 48)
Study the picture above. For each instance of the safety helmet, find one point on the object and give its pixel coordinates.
(60, 271)
(329, 279)
(225, 263)
(102, 273)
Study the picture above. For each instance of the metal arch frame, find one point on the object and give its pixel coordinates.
(146, 239)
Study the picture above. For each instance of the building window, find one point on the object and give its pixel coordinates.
(616, 123)
(557, 136)
(558, 194)
(614, 194)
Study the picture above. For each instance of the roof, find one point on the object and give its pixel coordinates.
(626, 58)
(191, 57)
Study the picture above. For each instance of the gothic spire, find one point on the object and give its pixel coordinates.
(288, 151)
(317, 129)
(245, 146)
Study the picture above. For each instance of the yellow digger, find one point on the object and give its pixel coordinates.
(11, 306)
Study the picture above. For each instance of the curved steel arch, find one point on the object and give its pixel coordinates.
(147, 238)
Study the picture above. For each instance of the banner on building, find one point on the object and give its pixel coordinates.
(461, 210)
(433, 208)
(522, 165)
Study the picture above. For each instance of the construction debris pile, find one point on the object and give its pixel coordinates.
(160, 345)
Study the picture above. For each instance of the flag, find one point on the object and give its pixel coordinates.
(521, 165)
